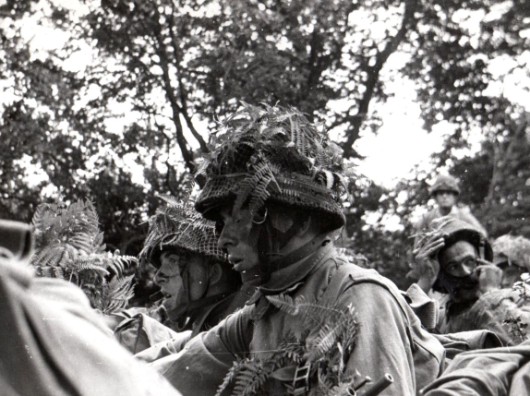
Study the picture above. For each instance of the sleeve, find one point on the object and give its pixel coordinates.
(58, 345)
(382, 345)
(165, 348)
(202, 365)
(478, 373)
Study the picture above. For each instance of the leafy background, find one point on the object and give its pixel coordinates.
(120, 109)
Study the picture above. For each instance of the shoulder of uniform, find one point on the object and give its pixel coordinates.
(463, 208)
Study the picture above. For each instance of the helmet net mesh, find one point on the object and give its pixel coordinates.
(180, 227)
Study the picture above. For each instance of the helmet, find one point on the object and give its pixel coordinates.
(272, 154)
(180, 227)
(512, 249)
(444, 183)
(454, 230)
(458, 230)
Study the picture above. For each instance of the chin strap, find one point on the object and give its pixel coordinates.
(191, 306)
(298, 254)
(188, 311)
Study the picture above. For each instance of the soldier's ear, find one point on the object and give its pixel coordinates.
(281, 221)
(216, 272)
(306, 225)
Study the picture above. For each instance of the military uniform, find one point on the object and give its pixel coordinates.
(390, 338)
(273, 184)
(180, 228)
(53, 343)
(448, 184)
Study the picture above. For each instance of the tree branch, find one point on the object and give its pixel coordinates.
(359, 117)
(182, 90)
(187, 154)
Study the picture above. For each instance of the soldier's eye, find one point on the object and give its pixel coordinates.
(453, 268)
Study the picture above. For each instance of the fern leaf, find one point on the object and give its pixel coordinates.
(329, 335)
(122, 265)
(250, 379)
(118, 294)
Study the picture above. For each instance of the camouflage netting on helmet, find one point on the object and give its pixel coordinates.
(180, 227)
(512, 249)
(272, 154)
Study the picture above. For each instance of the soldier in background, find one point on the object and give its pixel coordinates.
(445, 192)
(453, 260)
(197, 285)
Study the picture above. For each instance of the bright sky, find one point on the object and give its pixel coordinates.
(401, 142)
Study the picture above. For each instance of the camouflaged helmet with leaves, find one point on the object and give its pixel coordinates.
(180, 227)
(275, 154)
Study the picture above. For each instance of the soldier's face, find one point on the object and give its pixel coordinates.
(445, 199)
(460, 259)
(170, 277)
(238, 236)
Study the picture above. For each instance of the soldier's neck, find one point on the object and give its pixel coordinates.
(445, 211)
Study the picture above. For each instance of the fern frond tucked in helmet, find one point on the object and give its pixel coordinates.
(69, 245)
(181, 227)
(271, 153)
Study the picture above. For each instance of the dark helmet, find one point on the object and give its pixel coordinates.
(445, 183)
(181, 228)
(272, 154)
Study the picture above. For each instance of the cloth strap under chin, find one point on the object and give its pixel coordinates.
(298, 254)
(192, 307)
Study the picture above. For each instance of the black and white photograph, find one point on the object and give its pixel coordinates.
(264, 197)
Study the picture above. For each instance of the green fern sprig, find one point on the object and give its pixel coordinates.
(251, 378)
(325, 353)
(69, 245)
(117, 294)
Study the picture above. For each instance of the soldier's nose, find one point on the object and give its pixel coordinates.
(226, 238)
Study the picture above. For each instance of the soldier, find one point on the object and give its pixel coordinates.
(272, 185)
(454, 259)
(445, 192)
(198, 286)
